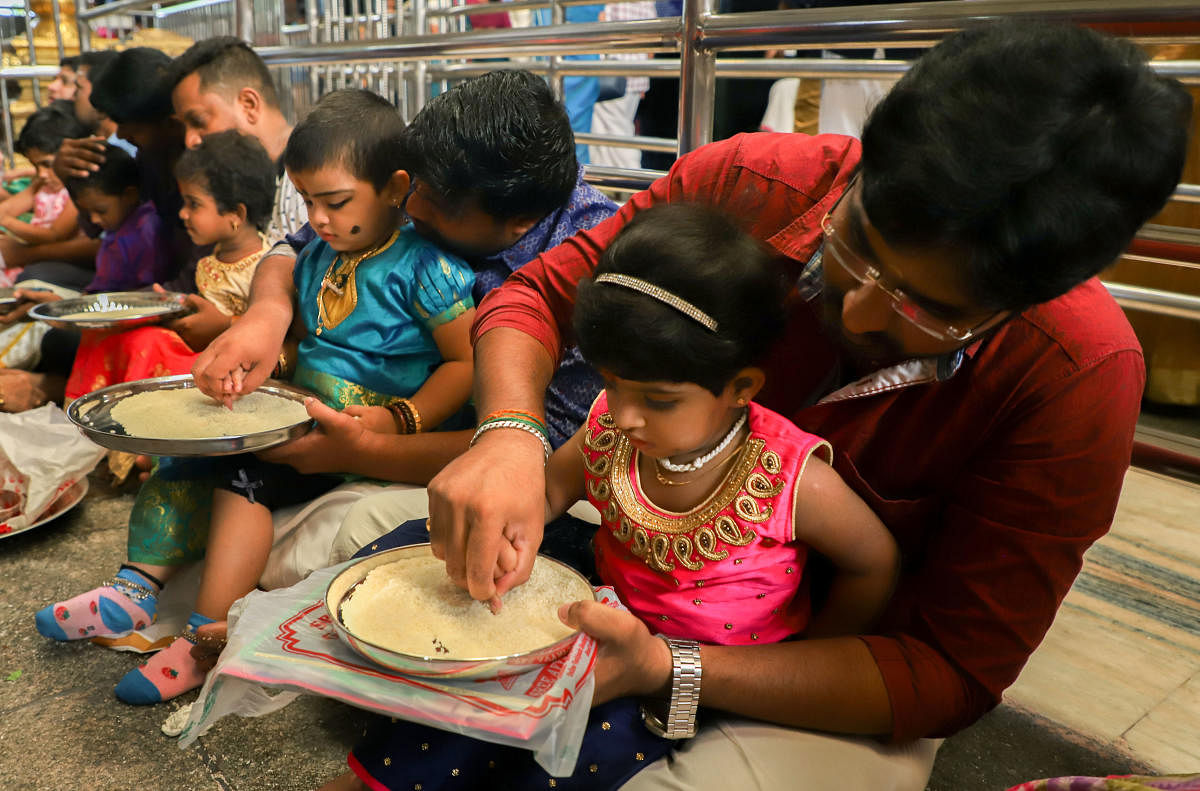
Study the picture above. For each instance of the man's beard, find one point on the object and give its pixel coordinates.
(862, 353)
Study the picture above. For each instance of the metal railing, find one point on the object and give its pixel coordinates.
(399, 54)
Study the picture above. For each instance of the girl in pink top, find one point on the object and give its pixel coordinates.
(710, 504)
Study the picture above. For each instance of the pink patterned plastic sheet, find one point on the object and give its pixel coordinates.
(284, 641)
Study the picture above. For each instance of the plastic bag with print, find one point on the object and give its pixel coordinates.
(41, 454)
(282, 640)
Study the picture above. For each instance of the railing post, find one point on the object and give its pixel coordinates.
(82, 27)
(697, 78)
(29, 17)
(8, 125)
(58, 38)
(558, 16)
(420, 68)
(243, 20)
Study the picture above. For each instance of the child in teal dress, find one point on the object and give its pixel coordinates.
(385, 335)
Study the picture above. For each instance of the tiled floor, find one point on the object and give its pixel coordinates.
(1121, 664)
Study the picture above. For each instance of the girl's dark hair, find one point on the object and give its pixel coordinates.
(700, 256)
(235, 169)
(48, 127)
(118, 172)
(352, 127)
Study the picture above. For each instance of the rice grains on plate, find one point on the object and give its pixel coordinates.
(187, 413)
(412, 607)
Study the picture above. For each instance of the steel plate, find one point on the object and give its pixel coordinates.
(93, 414)
(155, 307)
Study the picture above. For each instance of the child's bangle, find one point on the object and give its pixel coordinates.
(495, 423)
(408, 419)
(281, 367)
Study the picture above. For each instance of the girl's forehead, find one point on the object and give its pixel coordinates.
(195, 184)
(331, 177)
(665, 387)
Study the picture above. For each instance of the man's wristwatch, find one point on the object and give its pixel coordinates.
(680, 721)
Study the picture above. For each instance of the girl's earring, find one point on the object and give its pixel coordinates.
(236, 225)
(741, 402)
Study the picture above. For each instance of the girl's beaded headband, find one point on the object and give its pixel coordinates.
(663, 296)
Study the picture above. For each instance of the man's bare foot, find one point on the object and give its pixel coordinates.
(22, 390)
(346, 782)
(144, 466)
(210, 642)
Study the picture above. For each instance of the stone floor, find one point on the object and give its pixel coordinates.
(1128, 702)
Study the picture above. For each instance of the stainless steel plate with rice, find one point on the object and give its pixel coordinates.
(93, 413)
(440, 660)
(113, 310)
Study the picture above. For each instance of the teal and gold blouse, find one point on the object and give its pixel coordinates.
(370, 331)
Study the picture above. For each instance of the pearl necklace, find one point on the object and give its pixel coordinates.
(697, 463)
(665, 481)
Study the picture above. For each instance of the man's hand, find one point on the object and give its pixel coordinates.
(210, 641)
(487, 512)
(79, 157)
(202, 325)
(327, 448)
(29, 297)
(630, 660)
(238, 360)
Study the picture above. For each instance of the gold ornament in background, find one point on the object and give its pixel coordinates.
(45, 43)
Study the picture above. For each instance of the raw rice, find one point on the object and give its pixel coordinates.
(187, 413)
(411, 606)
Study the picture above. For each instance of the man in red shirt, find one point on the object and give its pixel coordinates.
(948, 337)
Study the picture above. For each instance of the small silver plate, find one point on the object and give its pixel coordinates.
(148, 308)
(93, 414)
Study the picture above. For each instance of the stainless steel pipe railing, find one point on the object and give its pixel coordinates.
(1153, 300)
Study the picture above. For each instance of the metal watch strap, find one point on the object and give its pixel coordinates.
(680, 722)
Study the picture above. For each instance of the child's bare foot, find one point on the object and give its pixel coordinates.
(346, 782)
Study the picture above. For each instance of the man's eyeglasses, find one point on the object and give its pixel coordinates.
(837, 250)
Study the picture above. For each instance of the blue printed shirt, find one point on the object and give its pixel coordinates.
(575, 384)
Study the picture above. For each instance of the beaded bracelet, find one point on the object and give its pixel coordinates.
(495, 423)
(408, 419)
(518, 414)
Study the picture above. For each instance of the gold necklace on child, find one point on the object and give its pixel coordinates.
(338, 296)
